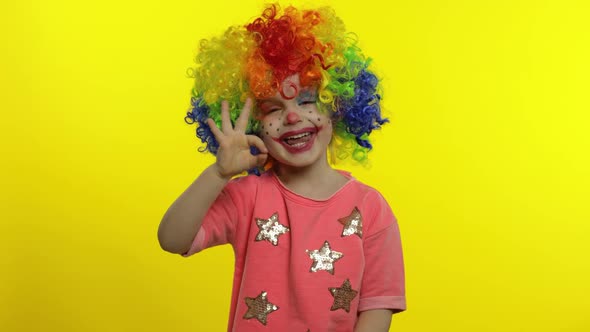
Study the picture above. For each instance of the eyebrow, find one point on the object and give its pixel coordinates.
(306, 94)
(271, 100)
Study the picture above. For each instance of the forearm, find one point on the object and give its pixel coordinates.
(377, 320)
(183, 219)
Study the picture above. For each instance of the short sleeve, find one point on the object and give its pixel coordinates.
(383, 285)
(219, 223)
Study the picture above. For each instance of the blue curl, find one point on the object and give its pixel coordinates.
(199, 113)
(361, 113)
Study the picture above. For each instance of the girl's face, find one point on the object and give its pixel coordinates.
(293, 130)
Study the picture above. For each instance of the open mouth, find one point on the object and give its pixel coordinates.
(299, 140)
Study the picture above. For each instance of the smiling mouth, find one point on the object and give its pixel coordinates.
(298, 141)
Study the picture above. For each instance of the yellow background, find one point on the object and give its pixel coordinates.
(485, 162)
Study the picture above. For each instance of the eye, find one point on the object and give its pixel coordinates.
(307, 102)
(269, 106)
(273, 109)
(267, 109)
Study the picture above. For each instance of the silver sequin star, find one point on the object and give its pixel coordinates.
(324, 258)
(353, 224)
(270, 229)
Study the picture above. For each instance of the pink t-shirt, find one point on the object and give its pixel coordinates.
(304, 264)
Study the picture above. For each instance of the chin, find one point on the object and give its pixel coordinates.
(299, 160)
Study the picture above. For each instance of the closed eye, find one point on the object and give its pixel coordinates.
(307, 102)
(266, 109)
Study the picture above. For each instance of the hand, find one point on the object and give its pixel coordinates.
(233, 155)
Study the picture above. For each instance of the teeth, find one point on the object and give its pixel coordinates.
(298, 136)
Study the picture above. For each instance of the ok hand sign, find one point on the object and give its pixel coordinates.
(233, 155)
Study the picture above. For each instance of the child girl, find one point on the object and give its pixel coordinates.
(315, 249)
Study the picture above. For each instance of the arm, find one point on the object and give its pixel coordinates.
(373, 321)
(383, 285)
(183, 219)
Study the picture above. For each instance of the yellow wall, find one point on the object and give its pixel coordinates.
(485, 162)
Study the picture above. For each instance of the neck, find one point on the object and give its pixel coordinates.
(308, 174)
(317, 181)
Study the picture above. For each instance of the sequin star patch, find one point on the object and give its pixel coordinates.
(270, 229)
(353, 223)
(324, 258)
(343, 295)
(259, 307)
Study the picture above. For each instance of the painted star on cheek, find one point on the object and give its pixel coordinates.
(324, 258)
(353, 223)
(343, 295)
(259, 307)
(270, 229)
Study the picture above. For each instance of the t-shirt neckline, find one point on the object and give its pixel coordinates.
(293, 196)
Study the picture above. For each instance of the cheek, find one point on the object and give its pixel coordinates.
(321, 120)
(269, 127)
(328, 127)
(317, 117)
(326, 124)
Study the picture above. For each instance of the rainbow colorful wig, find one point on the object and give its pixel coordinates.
(253, 60)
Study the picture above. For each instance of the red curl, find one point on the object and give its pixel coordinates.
(287, 46)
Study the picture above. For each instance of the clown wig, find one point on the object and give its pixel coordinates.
(253, 60)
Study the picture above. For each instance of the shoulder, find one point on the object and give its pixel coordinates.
(367, 193)
(374, 208)
(248, 180)
(242, 191)
(247, 184)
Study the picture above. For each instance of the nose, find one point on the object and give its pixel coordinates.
(292, 118)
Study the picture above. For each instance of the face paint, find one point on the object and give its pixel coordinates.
(301, 133)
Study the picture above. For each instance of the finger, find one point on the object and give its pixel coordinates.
(257, 142)
(257, 160)
(261, 159)
(213, 127)
(242, 121)
(226, 126)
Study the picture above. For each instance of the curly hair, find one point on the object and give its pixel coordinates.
(254, 59)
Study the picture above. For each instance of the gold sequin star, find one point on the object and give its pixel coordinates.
(270, 229)
(353, 223)
(324, 258)
(259, 308)
(342, 296)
